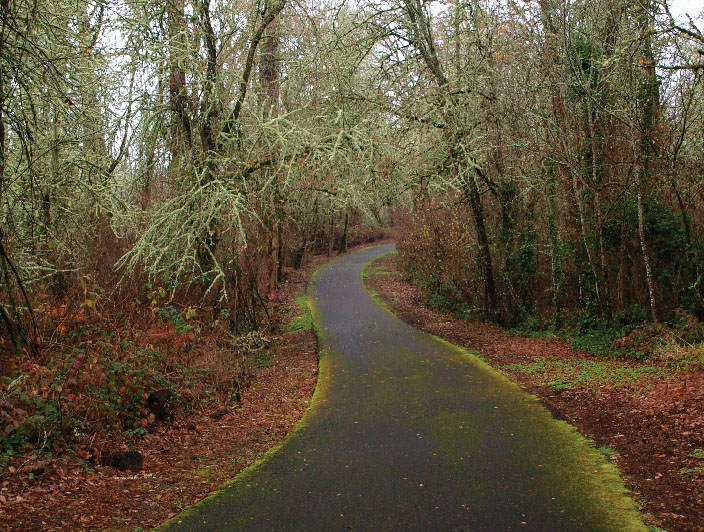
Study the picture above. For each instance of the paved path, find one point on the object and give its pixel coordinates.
(406, 432)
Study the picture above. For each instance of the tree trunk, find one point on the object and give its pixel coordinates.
(13, 334)
(282, 251)
(4, 8)
(646, 104)
(475, 202)
(595, 185)
(555, 249)
(424, 43)
(309, 235)
(583, 233)
(273, 256)
(506, 195)
(206, 158)
(646, 257)
(555, 142)
(641, 229)
(231, 122)
(680, 203)
(181, 134)
(622, 264)
(269, 77)
(270, 71)
(331, 228)
(343, 241)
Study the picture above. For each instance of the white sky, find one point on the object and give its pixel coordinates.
(680, 7)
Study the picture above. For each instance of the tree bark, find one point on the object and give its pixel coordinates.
(206, 159)
(641, 227)
(552, 59)
(269, 77)
(4, 8)
(475, 201)
(646, 104)
(343, 241)
(555, 249)
(181, 131)
(270, 13)
(583, 233)
(331, 228)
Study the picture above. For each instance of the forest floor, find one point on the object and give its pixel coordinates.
(648, 417)
(184, 459)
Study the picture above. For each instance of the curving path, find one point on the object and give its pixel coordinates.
(407, 432)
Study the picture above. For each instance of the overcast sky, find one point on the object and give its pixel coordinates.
(693, 7)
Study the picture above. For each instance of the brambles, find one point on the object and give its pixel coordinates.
(86, 397)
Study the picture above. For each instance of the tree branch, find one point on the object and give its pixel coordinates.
(269, 15)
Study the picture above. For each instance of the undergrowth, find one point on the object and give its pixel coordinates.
(86, 390)
(627, 336)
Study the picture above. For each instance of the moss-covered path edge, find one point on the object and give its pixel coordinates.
(407, 432)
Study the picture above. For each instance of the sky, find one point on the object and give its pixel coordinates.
(693, 7)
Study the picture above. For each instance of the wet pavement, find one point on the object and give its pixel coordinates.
(406, 432)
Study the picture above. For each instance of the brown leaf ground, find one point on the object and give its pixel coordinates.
(183, 460)
(647, 416)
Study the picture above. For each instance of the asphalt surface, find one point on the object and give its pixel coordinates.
(406, 432)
